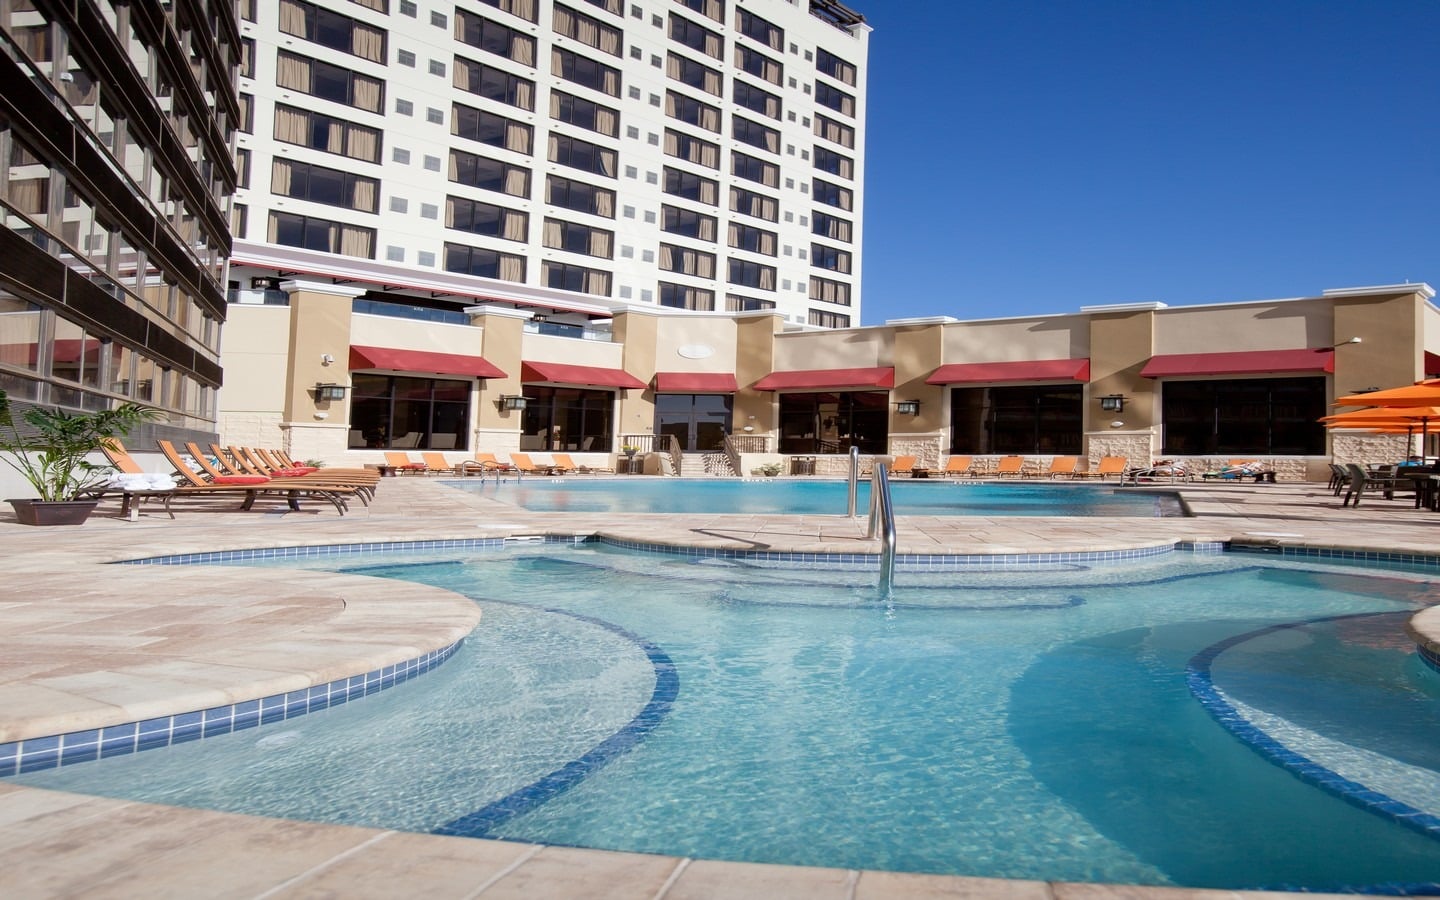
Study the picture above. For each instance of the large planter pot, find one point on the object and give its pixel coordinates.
(53, 512)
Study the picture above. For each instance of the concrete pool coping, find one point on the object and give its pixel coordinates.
(89, 644)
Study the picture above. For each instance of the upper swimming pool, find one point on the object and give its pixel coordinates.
(820, 497)
(1205, 720)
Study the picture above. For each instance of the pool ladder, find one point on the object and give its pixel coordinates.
(882, 517)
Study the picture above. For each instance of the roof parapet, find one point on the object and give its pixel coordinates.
(1408, 287)
(1125, 307)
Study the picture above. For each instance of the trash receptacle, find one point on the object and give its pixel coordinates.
(802, 465)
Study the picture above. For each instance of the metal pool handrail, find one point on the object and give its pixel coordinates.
(882, 525)
(854, 480)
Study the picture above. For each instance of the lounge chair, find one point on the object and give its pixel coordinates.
(563, 461)
(436, 464)
(1109, 465)
(252, 486)
(1059, 466)
(526, 465)
(1164, 470)
(1240, 471)
(1362, 481)
(261, 462)
(956, 466)
(403, 464)
(1010, 466)
(903, 465)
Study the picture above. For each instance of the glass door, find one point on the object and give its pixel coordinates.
(698, 421)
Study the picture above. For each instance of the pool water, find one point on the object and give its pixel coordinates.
(926, 497)
(1046, 723)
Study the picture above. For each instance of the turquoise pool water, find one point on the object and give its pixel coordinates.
(926, 497)
(1056, 722)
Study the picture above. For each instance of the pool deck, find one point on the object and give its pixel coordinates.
(88, 645)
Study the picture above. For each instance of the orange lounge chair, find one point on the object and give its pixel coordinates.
(1060, 465)
(525, 464)
(956, 466)
(253, 485)
(563, 461)
(403, 464)
(903, 465)
(1010, 466)
(436, 464)
(485, 464)
(1109, 465)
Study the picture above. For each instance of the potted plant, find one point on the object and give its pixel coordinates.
(629, 449)
(769, 470)
(51, 450)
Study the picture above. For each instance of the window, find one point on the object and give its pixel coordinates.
(831, 130)
(401, 411)
(484, 263)
(489, 174)
(490, 128)
(1029, 419)
(751, 274)
(691, 149)
(757, 29)
(832, 258)
(831, 227)
(318, 131)
(683, 296)
(404, 107)
(756, 240)
(835, 99)
(617, 7)
(833, 422)
(692, 111)
(585, 72)
(825, 319)
(737, 303)
(333, 83)
(246, 121)
(686, 261)
(242, 167)
(494, 84)
(837, 68)
(584, 113)
(577, 195)
(567, 277)
(331, 29)
(576, 238)
(832, 194)
(695, 74)
(754, 134)
(827, 160)
(525, 9)
(405, 58)
(587, 30)
(691, 186)
(753, 98)
(493, 37)
(311, 233)
(487, 219)
(578, 154)
(687, 223)
(247, 57)
(696, 37)
(566, 418)
(1259, 415)
(828, 291)
(754, 169)
(749, 203)
(318, 184)
(758, 64)
(714, 9)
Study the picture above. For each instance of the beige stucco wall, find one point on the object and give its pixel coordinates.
(1287, 325)
(840, 349)
(413, 334)
(549, 348)
(1014, 340)
(1391, 352)
(256, 350)
(680, 340)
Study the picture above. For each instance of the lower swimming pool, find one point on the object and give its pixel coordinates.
(1146, 723)
(927, 497)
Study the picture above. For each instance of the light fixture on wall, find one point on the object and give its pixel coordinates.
(1353, 340)
(907, 407)
(326, 359)
(327, 392)
(511, 401)
(1112, 403)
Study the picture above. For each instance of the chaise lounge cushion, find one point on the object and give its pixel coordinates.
(239, 479)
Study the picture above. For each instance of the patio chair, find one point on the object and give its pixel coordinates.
(485, 464)
(564, 461)
(403, 464)
(1109, 465)
(1361, 481)
(956, 466)
(249, 486)
(1059, 466)
(1010, 466)
(903, 465)
(1338, 478)
(1163, 470)
(527, 466)
(436, 464)
(1240, 471)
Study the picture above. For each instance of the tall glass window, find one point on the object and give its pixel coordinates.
(405, 413)
(835, 422)
(564, 418)
(1039, 419)
(1259, 415)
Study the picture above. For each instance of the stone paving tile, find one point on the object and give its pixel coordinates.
(88, 643)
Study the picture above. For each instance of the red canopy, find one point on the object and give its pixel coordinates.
(695, 383)
(1244, 362)
(589, 376)
(1028, 370)
(422, 361)
(828, 379)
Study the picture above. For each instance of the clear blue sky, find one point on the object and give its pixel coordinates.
(1036, 157)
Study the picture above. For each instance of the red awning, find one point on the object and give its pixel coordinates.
(589, 376)
(695, 383)
(828, 379)
(1245, 362)
(1029, 370)
(422, 361)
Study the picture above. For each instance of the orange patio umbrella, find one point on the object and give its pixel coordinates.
(1400, 407)
(1421, 393)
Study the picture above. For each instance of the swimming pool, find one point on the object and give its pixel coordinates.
(932, 497)
(1064, 721)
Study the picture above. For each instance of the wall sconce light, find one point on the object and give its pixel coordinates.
(1354, 340)
(326, 359)
(1112, 403)
(511, 401)
(908, 407)
(328, 392)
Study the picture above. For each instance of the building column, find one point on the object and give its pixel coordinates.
(1122, 340)
(502, 338)
(918, 351)
(319, 353)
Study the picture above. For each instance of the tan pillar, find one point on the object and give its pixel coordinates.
(502, 339)
(319, 353)
(1121, 342)
(754, 359)
(918, 351)
(639, 336)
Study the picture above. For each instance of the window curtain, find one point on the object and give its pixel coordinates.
(292, 19)
(511, 268)
(460, 74)
(601, 243)
(607, 121)
(524, 94)
(357, 242)
(292, 126)
(522, 49)
(293, 72)
(364, 194)
(606, 161)
(597, 282)
(518, 137)
(516, 224)
(706, 229)
(281, 175)
(364, 143)
(672, 67)
(554, 233)
(368, 43)
(767, 278)
(367, 93)
(604, 204)
(517, 182)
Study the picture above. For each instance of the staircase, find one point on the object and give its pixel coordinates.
(702, 465)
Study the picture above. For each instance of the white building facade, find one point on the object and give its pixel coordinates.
(569, 157)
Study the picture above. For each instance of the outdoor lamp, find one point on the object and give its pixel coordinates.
(327, 392)
(908, 407)
(512, 401)
(1112, 403)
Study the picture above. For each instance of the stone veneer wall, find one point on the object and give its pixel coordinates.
(1135, 446)
(251, 430)
(1370, 449)
(926, 448)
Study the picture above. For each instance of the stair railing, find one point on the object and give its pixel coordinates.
(882, 525)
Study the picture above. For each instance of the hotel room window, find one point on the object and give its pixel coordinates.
(319, 184)
(830, 227)
(826, 319)
(690, 186)
(490, 128)
(713, 9)
(493, 37)
(754, 134)
(755, 63)
(683, 296)
(576, 238)
(331, 29)
(757, 29)
(833, 131)
(834, 98)
(687, 223)
(751, 274)
(312, 233)
(832, 194)
(692, 111)
(756, 240)
(328, 82)
(753, 98)
(692, 149)
(493, 84)
(584, 113)
(568, 277)
(832, 258)
(685, 261)
(318, 131)
(584, 71)
(749, 203)
(827, 160)
(587, 30)
(696, 37)
(837, 68)
(525, 9)
(754, 169)
(826, 290)
(583, 155)
(579, 196)
(489, 174)
(737, 303)
(484, 263)
(464, 214)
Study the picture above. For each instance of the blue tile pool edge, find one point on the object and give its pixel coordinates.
(39, 753)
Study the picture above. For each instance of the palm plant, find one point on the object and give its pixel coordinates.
(52, 447)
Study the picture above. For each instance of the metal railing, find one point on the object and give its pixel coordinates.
(733, 454)
(882, 525)
(853, 481)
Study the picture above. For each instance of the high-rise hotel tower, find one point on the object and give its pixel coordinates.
(567, 157)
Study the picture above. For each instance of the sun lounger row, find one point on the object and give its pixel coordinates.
(1011, 467)
(432, 463)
